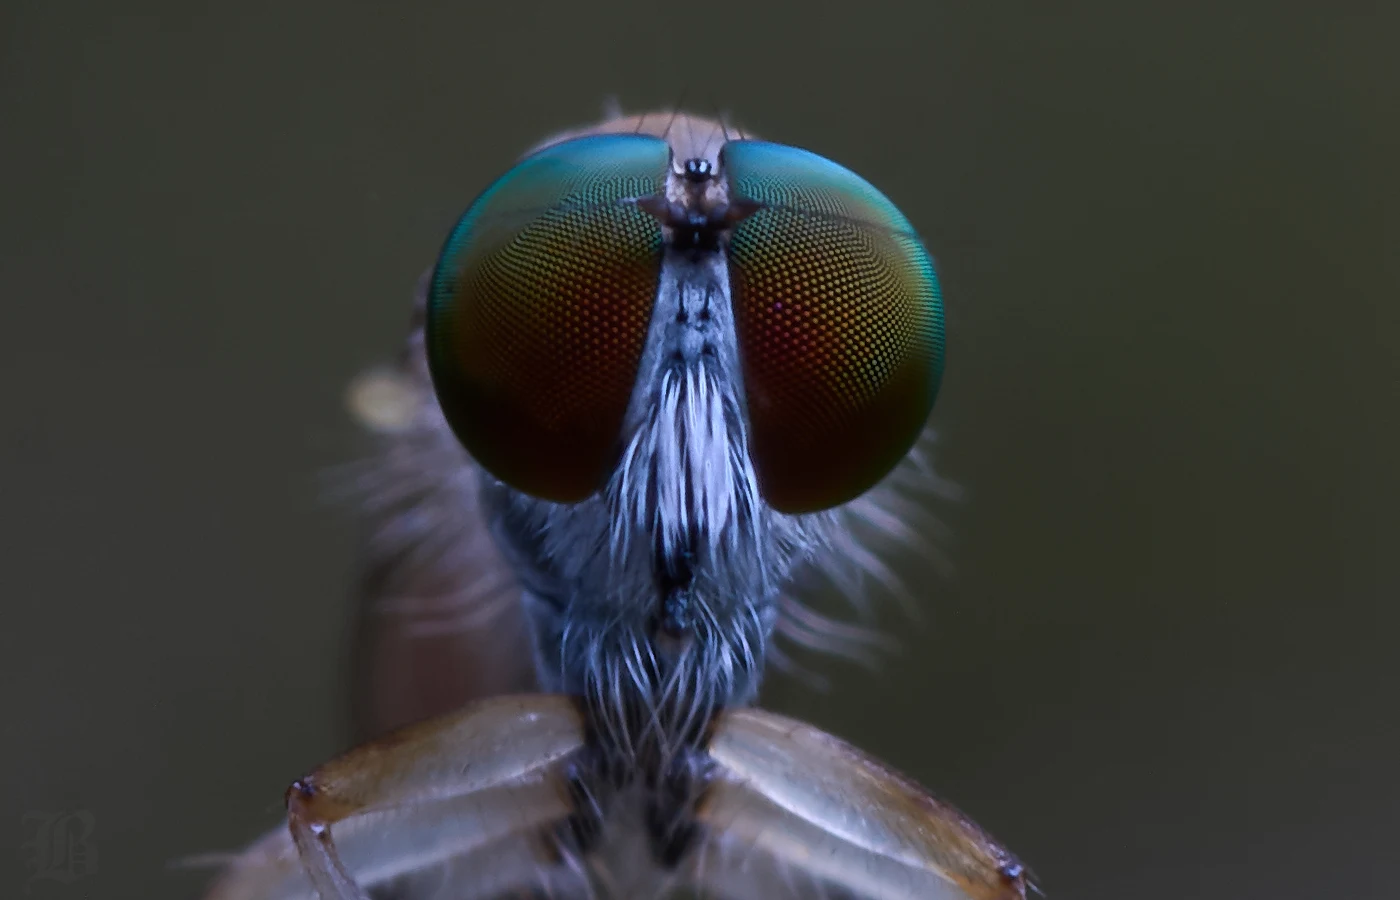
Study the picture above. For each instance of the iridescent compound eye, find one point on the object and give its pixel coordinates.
(538, 312)
(840, 325)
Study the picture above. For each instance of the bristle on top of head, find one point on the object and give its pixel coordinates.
(690, 136)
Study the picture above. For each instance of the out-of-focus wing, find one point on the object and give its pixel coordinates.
(794, 806)
(440, 620)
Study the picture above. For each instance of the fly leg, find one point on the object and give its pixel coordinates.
(472, 790)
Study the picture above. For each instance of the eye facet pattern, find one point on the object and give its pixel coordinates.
(840, 325)
(538, 311)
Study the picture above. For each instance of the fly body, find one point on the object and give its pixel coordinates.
(660, 378)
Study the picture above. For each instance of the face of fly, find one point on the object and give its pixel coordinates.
(690, 371)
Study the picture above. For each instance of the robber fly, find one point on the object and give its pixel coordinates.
(661, 374)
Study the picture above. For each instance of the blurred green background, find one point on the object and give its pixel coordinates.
(1166, 665)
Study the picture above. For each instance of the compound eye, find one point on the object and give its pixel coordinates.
(538, 311)
(840, 325)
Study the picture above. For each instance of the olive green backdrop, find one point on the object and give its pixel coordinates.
(1166, 666)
